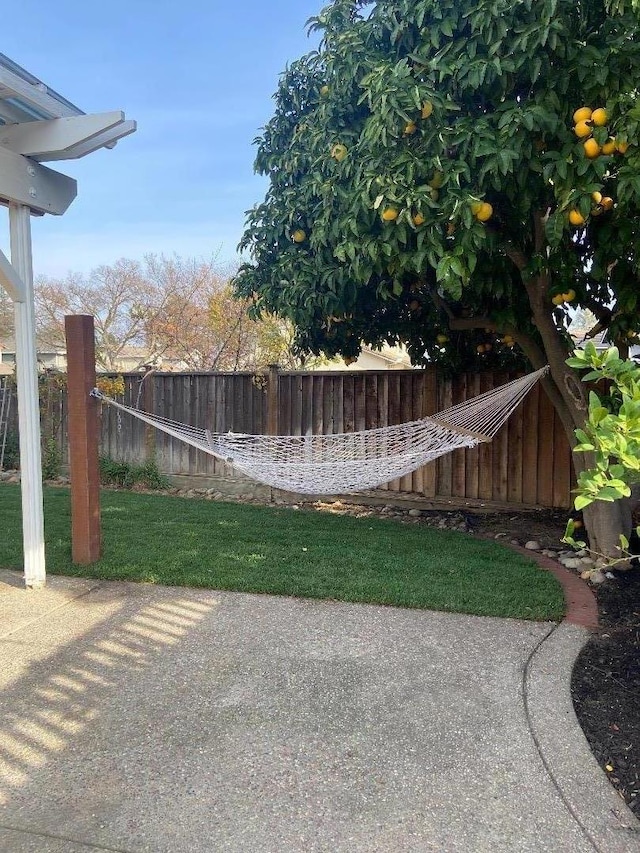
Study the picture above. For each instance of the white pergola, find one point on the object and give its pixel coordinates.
(37, 125)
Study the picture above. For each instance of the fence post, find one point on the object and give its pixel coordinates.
(83, 440)
(273, 401)
(148, 404)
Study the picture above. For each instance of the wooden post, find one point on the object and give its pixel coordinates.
(83, 440)
(148, 404)
(273, 402)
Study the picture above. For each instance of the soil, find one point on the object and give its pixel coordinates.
(606, 685)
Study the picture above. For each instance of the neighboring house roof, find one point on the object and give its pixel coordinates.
(385, 358)
(602, 342)
(43, 347)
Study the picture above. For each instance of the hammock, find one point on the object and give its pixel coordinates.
(350, 462)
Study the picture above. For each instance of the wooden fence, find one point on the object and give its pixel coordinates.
(529, 461)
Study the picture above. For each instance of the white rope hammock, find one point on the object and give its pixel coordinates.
(352, 461)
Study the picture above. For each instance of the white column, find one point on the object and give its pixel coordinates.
(28, 405)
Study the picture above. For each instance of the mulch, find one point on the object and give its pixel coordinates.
(606, 685)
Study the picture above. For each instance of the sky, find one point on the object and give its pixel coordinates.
(198, 77)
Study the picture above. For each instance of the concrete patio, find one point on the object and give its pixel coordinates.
(145, 718)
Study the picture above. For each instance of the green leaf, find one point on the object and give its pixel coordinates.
(582, 501)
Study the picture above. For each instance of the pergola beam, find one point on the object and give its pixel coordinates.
(65, 138)
(107, 139)
(33, 93)
(11, 281)
(23, 181)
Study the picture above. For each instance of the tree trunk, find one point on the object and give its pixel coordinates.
(604, 521)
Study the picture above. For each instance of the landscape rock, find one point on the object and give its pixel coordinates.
(597, 577)
(416, 513)
(532, 545)
(572, 563)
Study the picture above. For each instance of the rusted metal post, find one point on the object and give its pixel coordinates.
(273, 403)
(86, 539)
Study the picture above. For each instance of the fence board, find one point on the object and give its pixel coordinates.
(530, 446)
(485, 452)
(545, 455)
(500, 445)
(429, 407)
(514, 465)
(444, 464)
(472, 473)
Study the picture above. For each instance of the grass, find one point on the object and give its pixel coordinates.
(247, 548)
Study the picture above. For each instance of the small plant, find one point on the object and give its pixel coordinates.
(149, 476)
(126, 476)
(11, 459)
(612, 435)
(603, 560)
(51, 460)
(115, 473)
(612, 429)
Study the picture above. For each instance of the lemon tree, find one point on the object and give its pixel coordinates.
(466, 175)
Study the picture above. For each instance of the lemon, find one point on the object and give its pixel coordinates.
(410, 128)
(599, 117)
(575, 217)
(389, 214)
(597, 197)
(485, 212)
(427, 109)
(582, 129)
(609, 147)
(418, 219)
(582, 114)
(607, 203)
(591, 149)
(339, 151)
(299, 236)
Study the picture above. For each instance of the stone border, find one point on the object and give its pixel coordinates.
(582, 608)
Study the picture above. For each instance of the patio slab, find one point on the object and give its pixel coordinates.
(143, 718)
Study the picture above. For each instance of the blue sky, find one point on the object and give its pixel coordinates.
(198, 77)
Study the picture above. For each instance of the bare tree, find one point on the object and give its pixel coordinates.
(115, 295)
(6, 316)
(171, 308)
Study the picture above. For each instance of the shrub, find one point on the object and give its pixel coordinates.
(126, 476)
(11, 460)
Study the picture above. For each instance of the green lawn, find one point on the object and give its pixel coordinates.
(198, 543)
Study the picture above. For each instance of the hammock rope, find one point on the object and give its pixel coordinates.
(352, 461)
